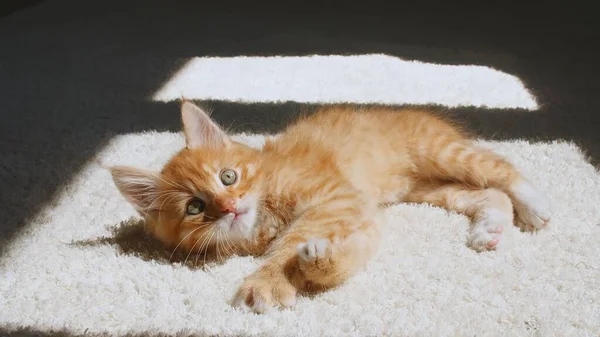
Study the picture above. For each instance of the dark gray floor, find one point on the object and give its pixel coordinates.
(75, 73)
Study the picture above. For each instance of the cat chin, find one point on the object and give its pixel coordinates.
(243, 226)
(246, 222)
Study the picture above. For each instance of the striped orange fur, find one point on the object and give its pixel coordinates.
(307, 199)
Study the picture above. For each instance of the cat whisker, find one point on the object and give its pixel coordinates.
(163, 203)
(203, 223)
(190, 233)
(266, 211)
(191, 250)
(206, 242)
(227, 251)
(162, 195)
(170, 182)
(205, 236)
(231, 246)
(218, 243)
(147, 190)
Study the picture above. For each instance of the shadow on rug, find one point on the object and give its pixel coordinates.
(131, 238)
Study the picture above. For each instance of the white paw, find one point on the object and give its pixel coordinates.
(487, 229)
(314, 249)
(532, 206)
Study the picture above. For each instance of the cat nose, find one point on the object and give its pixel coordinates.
(228, 206)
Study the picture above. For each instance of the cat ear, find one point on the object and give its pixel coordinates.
(200, 129)
(139, 187)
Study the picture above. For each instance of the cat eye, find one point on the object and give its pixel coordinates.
(228, 177)
(195, 207)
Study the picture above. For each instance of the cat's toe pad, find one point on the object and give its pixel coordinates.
(482, 240)
(314, 249)
(487, 230)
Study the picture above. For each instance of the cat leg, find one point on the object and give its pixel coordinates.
(490, 210)
(324, 263)
(463, 162)
(324, 246)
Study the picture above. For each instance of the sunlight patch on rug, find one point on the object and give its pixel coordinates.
(363, 79)
(79, 268)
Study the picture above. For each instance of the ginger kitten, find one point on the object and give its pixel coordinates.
(306, 200)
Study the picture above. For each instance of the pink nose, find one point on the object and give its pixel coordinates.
(229, 206)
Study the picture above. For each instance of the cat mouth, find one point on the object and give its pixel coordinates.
(236, 219)
(238, 214)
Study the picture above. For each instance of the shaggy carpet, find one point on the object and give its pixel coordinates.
(84, 264)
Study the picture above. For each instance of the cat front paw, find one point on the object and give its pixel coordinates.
(264, 291)
(316, 264)
(314, 250)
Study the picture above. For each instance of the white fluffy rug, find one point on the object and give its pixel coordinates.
(77, 270)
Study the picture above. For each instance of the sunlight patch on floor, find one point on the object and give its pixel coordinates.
(363, 79)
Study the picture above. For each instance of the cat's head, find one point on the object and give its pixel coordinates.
(207, 194)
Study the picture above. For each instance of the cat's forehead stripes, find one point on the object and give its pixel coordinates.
(200, 171)
(191, 186)
(195, 191)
